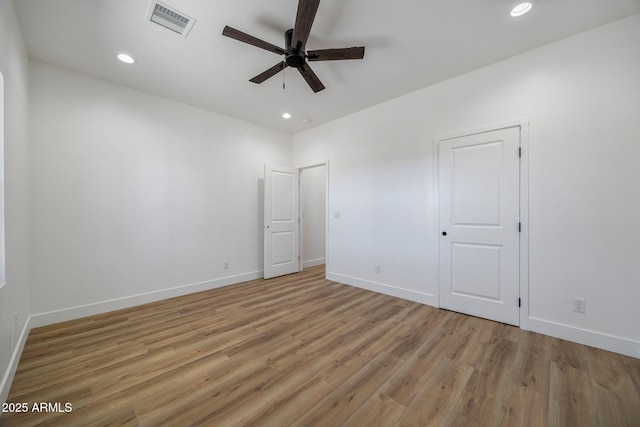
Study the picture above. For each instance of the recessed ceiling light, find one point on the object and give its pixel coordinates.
(286, 116)
(127, 59)
(521, 9)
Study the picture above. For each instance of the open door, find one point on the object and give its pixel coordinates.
(281, 221)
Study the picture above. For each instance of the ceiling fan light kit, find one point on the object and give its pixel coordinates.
(295, 54)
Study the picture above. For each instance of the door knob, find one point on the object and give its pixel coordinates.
(444, 233)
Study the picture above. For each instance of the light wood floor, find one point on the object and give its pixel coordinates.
(302, 351)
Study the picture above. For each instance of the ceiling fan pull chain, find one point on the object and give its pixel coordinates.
(284, 70)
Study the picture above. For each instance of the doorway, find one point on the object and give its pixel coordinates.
(313, 215)
(295, 218)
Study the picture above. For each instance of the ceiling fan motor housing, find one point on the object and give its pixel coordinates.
(292, 56)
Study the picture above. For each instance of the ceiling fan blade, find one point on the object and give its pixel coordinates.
(336, 54)
(254, 41)
(269, 73)
(304, 19)
(311, 78)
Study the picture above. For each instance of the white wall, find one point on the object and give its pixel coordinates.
(313, 198)
(14, 296)
(582, 96)
(3, 265)
(136, 198)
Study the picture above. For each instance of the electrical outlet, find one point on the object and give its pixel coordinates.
(579, 305)
(226, 265)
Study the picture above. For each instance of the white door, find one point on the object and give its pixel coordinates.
(281, 221)
(479, 214)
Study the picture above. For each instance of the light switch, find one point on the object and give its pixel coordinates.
(336, 214)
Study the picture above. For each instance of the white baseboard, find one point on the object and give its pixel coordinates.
(382, 288)
(313, 262)
(7, 378)
(49, 318)
(570, 333)
(584, 336)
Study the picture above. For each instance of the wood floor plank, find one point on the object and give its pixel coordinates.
(486, 390)
(532, 367)
(612, 387)
(84, 373)
(302, 350)
(379, 410)
(404, 384)
(202, 397)
(571, 397)
(288, 409)
(477, 345)
(523, 406)
(347, 398)
(434, 404)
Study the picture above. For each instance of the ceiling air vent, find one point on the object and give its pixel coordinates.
(170, 18)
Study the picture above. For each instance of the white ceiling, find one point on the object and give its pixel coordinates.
(409, 44)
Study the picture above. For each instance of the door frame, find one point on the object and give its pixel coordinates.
(324, 163)
(523, 125)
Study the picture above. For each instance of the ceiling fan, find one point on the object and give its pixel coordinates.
(295, 43)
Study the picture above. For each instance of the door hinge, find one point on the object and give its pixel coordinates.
(519, 302)
(519, 151)
(519, 227)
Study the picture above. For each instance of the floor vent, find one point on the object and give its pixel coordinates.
(170, 18)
